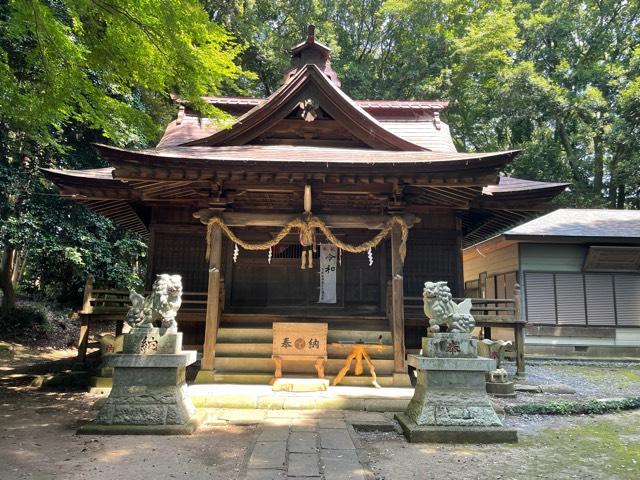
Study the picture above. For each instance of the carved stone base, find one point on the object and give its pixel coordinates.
(450, 402)
(451, 395)
(149, 389)
(469, 434)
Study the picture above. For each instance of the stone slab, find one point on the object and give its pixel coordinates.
(466, 434)
(331, 423)
(151, 341)
(272, 433)
(303, 465)
(450, 345)
(186, 429)
(341, 465)
(300, 385)
(479, 364)
(268, 455)
(186, 357)
(520, 387)
(335, 439)
(558, 388)
(263, 474)
(303, 442)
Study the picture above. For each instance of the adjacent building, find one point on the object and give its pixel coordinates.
(579, 272)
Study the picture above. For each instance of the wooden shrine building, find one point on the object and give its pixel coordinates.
(238, 211)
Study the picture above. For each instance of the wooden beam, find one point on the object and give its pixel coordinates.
(236, 219)
(397, 302)
(213, 301)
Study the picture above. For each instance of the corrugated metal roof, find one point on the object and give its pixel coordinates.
(575, 222)
(423, 133)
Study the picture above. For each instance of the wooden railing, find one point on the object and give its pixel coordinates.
(115, 301)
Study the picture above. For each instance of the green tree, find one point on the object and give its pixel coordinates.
(77, 71)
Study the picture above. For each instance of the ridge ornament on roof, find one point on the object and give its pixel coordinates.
(311, 52)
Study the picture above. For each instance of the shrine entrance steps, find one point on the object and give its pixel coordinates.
(243, 354)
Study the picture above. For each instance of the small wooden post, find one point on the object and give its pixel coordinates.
(519, 334)
(83, 338)
(88, 293)
(85, 312)
(397, 302)
(213, 307)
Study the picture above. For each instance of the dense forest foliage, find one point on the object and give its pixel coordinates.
(555, 78)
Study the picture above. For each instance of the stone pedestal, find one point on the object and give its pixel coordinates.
(149, 394)
(450, 403)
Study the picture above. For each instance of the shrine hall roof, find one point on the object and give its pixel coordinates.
(512, 185)
(288, 154)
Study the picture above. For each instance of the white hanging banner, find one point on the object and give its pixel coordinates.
(328, 260)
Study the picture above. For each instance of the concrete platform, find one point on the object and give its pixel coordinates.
(459, 434)
(335, 398)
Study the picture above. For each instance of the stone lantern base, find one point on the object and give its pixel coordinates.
(149, 394)
(450, 403)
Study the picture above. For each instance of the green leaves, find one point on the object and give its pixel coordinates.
(74, 72)
(87, 60)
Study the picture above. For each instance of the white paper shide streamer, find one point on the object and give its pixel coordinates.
(328, 269)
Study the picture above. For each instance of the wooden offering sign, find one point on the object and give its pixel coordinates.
(300, 341)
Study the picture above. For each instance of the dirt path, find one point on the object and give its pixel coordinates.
(38, 441)
(37, 434)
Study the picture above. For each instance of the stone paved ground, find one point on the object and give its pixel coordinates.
(291, 444)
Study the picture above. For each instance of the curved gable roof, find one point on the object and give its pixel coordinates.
(308, 81)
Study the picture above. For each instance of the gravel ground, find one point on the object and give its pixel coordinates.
(587, 448)
(589, 379)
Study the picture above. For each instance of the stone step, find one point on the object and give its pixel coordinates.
(264, 379)
(265, 365)
(265, 335)
(264, 350)
(101, 382)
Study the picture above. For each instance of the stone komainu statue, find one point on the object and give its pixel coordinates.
(161, 305)
(442, 310)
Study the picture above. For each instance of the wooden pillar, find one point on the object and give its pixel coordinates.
(213, 308)
(83, 338)
(88, 293)
(397, 302)
(519, 334)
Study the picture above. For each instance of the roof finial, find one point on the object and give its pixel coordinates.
(311, 33)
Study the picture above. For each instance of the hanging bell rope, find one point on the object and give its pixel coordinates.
(306, 228)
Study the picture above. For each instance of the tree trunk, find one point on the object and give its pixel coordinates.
(6, 284)
(572, 157)
(598, 162)
(621, 196)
